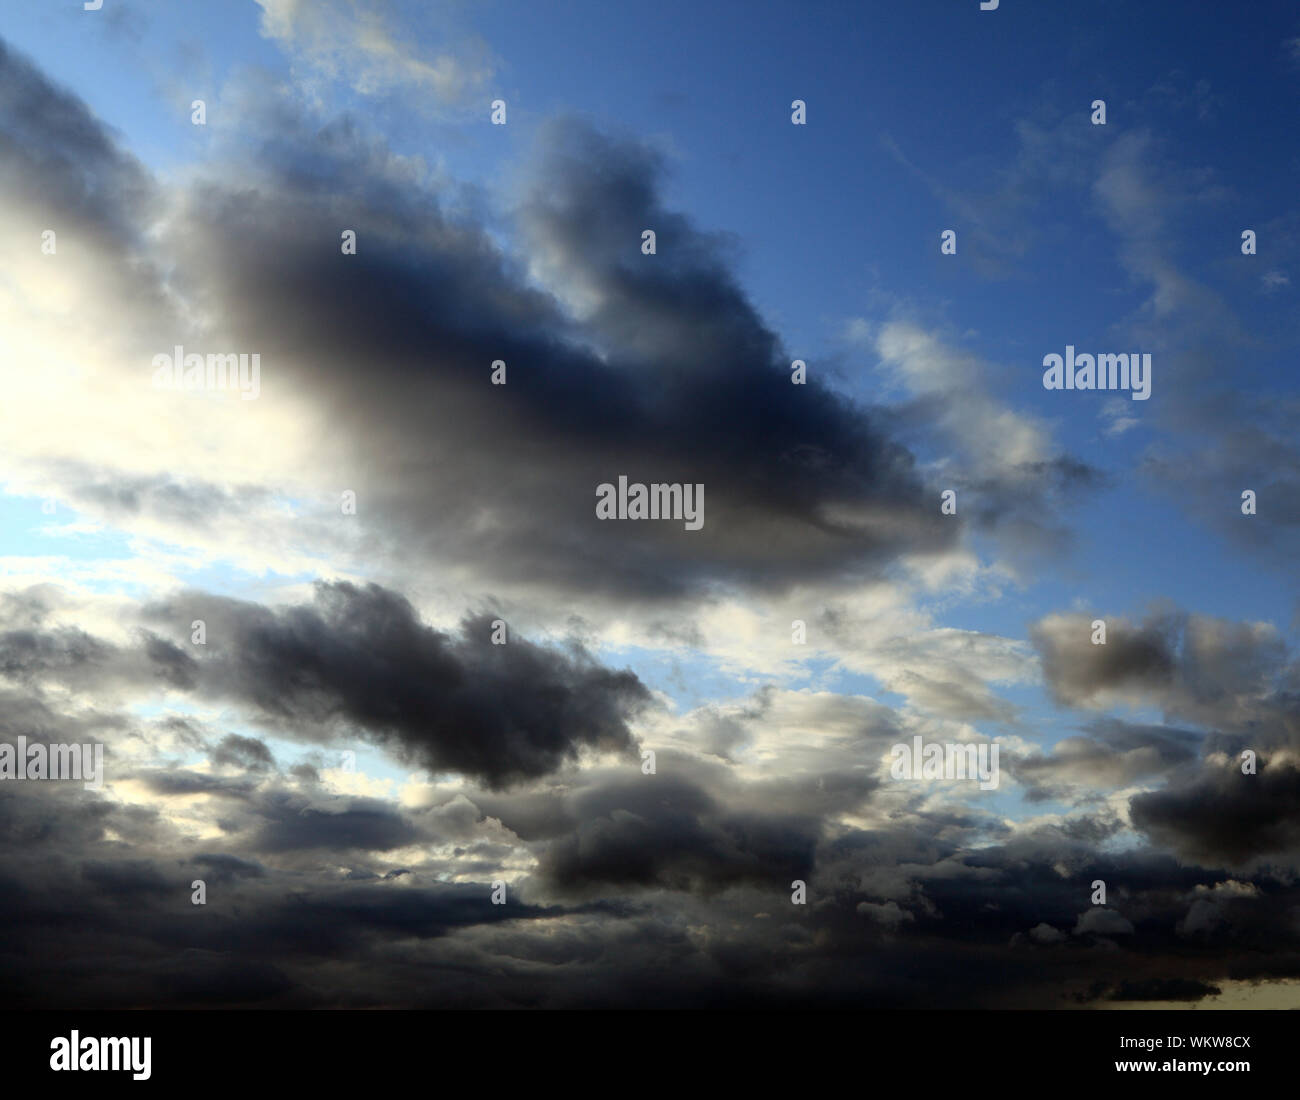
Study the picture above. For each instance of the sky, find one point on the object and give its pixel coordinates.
(366, 660)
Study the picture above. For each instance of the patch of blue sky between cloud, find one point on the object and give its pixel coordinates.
(691, 678)
(68, 544)
(367, 760)
(29, 530)
(63, 547)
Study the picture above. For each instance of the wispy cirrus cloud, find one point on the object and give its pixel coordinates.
(367, 45)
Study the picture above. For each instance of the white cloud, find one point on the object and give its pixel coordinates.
(352, 41)
(996, 438)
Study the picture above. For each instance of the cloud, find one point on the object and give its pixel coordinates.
(1163, 989)
(362, 658)
(889, 914)
(1197, 667)
(1009, 476)
(1211, 906)
(664, 832)
(1045, 934)
(1117, 416)
(1146, 199)
(356, 41)
(1224, 818)
(243, 752)
(1132, 662)
(668, 375)
(357, 659)
(1102, 922)
(57, 155)
(1241, 441)
(293, 824)
(1115, 754)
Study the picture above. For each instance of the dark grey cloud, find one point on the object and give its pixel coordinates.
(207, 978)
(127, 881)
(1197, 668)
(667, 373)
(1163, 989)
(672, 378)
(55, 154)
(180, 781)
(26, 652)
(360, 660)
(292, 823)
(1224, 817)
(658, 892)
(667, 832)
(356, 662)
(243, 752)
(1133, 658)
(219, 867)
